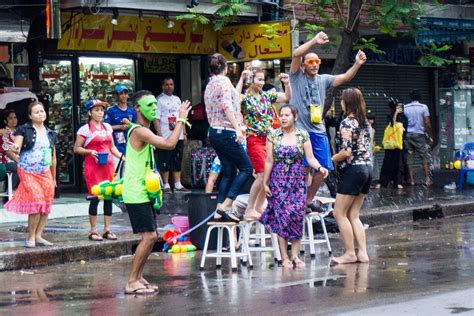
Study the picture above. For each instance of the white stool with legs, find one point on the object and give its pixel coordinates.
(9, 191)
(231, 229)
(308, 233)
(260, 237)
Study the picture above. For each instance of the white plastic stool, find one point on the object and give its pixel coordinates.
(260, 238)
(231, 229)
(308, 233)
(9, 191)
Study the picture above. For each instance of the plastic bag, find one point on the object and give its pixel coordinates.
(393, 136)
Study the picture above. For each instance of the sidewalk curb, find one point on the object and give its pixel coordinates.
(60, 254)
(426, 211)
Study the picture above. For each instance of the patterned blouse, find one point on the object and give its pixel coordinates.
(358, 138)
(220, 94)
(275, 136)
(7, 137)
(258, 112)
(38, 159)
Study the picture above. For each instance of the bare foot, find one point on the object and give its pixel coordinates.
(345, 258)
(362, 257)
(298, 263)
(286, 263)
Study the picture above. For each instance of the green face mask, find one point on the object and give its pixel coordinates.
(147, 106)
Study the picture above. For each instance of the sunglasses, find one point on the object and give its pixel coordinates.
(313, 61)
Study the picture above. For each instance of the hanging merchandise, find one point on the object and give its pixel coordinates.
(56, 94)
(99, 76)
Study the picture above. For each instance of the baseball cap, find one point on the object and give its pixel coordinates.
(120, 88)
(95, 102)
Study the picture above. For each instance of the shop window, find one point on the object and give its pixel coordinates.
(56, 95)
(99, 76)
(15, 57)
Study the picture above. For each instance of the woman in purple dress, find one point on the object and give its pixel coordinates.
(284, 181)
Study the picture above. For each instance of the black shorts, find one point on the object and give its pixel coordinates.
(170, 160)
(142, 217)
(355, 180)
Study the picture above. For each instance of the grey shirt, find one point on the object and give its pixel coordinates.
(305, 90)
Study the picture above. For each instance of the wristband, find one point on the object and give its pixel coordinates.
(184, 121)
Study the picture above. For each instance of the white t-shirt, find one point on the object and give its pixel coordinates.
(167, 113)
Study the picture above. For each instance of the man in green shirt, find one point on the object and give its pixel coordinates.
(139, 206)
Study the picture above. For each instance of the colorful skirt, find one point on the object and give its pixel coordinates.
(34, 195)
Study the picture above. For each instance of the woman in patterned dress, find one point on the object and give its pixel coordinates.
(258, 111)
(7, 157)
(354, 159)
(284, 182)
(37, 172)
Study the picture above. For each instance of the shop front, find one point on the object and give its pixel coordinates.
(265, 46)
(93, 56)
(97, 79)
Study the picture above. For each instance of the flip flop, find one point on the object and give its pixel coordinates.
(109, 235)
(141, 291)
(95, 237)
(228, 217)
(152, 286)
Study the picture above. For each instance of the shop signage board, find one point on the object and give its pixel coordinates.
(248, 42)
(96, 33)
(159, 64)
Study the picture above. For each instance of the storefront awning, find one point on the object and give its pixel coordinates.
(443, 30)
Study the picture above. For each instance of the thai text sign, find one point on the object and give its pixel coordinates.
(96, 33)
(249, 42)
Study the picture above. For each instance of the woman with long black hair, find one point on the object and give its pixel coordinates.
(393, 159)
(354, 159)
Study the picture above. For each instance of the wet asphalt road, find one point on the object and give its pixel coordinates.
(419, 267)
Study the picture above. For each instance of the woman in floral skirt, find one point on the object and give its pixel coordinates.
(37, 172)
(284, 183)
